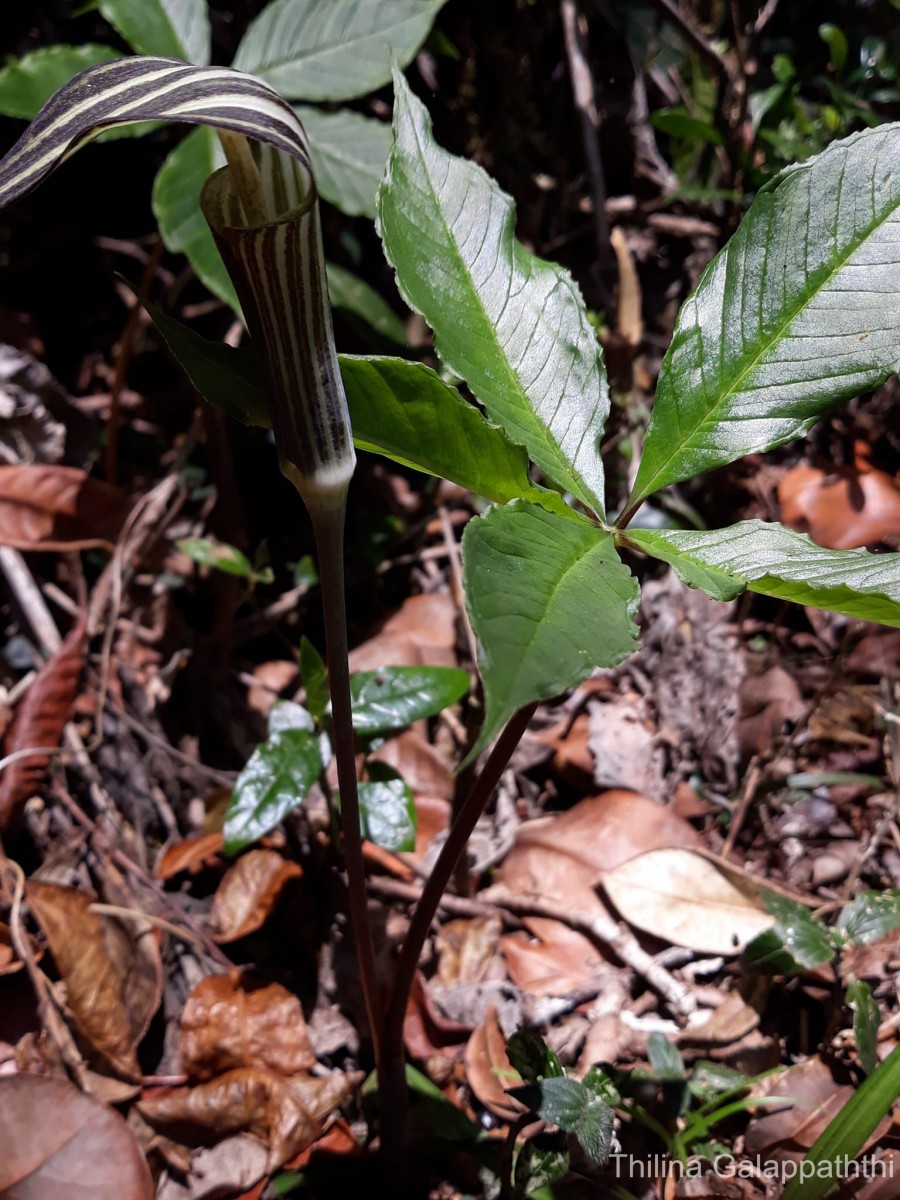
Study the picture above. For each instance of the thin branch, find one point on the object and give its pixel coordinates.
(692, 35)
(586, 103)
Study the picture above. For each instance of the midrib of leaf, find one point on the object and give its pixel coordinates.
(711, 416)
(331, 47)
(568, 471)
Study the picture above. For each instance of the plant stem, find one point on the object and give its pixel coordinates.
(393, 1095)
(328, 525)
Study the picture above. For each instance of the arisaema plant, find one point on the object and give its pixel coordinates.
(800, 311)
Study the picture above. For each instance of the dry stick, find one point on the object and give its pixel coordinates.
(602, 927)
(585, 102)
(393, 1088)
(328, 526)
(691, 34)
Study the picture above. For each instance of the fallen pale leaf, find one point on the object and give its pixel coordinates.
(684, 898)
(58, 1144)
(249, 892)
(843, 509)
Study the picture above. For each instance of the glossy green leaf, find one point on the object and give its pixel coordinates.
(27, 83)
(349, 153)
(599, 1082)
(315, 679)
(799, 311)
(219, 555)
(358, 298)
(275, 780)
(397, 408)
(169, 28)
(288, 714)
(176, 192)
(388, 812)
(774, 561)
(677, 122)
(869, 916)
(866, 1019)
(333, 49)
(530, 1055)
(396, 696)
(796, 942)
(568, 1104)
(846, 1134)
(405, 411)
(549, 600)
(512, 326)
(665, 1058)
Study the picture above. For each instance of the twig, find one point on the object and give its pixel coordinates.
(602, 927)
(751, 783)
(585, 101)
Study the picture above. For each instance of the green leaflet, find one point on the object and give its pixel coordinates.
(394, 697)
(275, 780)
(176, 206)
(313, 50)
(397, 408)
(349, 152)
(800, 310)
(358, 298)
(170, 28)
(767, 558)
(549, 600)
(512, 326)
(27, 83)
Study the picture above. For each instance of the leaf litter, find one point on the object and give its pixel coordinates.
(649, 810)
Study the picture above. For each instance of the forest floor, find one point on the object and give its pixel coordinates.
(213, 1000)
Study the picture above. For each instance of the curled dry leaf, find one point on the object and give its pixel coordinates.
(286, 1114)
(58, 1144)
(40, 720)
(844, 509)
(689, 900)
(768, 701)
(249, 892)
(112, 989)
(489, 1070)
(467, 949)
(420, 764)
(428, 1034)
(45, 506)
(229, 1022)
(192, 855)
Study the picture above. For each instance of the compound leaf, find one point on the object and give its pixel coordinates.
(349, 152)
(334, 50)
(170, 28)
(512, 326)
(799, 311)
(767, 558)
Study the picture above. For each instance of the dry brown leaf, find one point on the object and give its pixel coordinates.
(420, 765)
(271, 678)
(844, 509)
(467, 948)
(58, 1144)
(286, 1114)
(193, 855)
(561, 963)
(688, 900)
(226, 1169)
(728, 1023)
(432, 819)
(49, 506)
(109, 991)
(768, 700)
(40, 720)
(249, 892)
(228, 1022)
(791, 1130)
(428, 1034)
(421, 633)
(489, 1070)
(10, 962)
